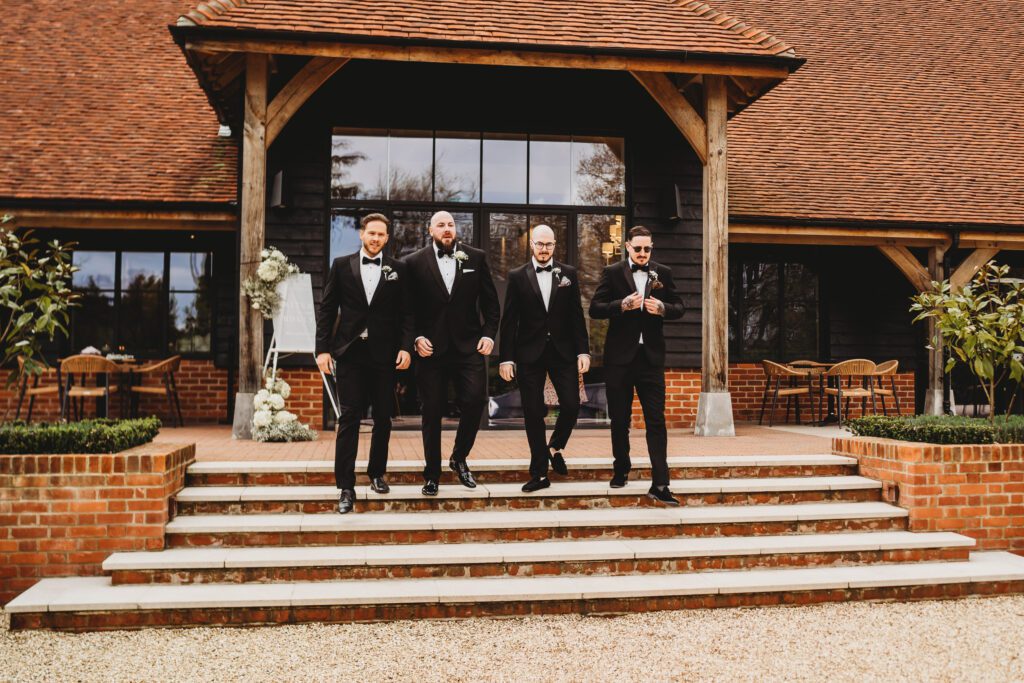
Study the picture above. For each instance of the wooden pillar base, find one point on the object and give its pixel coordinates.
(241, 427)
(714, 414)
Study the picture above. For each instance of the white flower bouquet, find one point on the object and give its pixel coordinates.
(262, 288)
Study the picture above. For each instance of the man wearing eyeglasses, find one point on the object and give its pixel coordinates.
(543, 333)
(637, 295)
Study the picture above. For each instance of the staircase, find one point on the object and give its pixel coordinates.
(260, 543)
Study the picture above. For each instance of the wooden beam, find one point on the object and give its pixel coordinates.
(495, 57)
(1002, 241)
(299, 89)
(123, 220)
(684, 116)
(715, 310)
(908, 265)
(971, 265)
(797, 234)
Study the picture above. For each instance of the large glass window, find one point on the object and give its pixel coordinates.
(773, 309)
(457, 167)
(359, 165)
(190, 309)
(504, 176)
(550, 170)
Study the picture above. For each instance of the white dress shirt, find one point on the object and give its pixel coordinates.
(447, 266)
(370, 273)
(544, 279)
(640, 278)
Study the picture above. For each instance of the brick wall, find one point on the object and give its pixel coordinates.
(974, 490)
(62, 515)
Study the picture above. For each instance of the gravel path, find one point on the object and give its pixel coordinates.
(964, 640)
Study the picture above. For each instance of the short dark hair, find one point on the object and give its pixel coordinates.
(371, 217)
(638, 231)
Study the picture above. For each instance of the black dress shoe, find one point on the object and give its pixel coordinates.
(430, 488)
(536, 484)
(378, 485)
(619, 480)
(462, 470)
(558, 463)
(662, 495)
(346, 501)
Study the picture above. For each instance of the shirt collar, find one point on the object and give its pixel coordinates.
(536, 263)
(362, 252)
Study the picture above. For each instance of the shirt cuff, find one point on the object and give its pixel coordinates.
(488, 339)
(507, 362)
(583, 355)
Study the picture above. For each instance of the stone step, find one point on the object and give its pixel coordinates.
(300, 529)
(608, 557)
(93, 603)
(321, 472)
(496, 496)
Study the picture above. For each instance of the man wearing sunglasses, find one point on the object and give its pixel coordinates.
(637, 295)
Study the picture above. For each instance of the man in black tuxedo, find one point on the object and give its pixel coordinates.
(543, 333)
(456, 319)
(373, 339)
(637, 295)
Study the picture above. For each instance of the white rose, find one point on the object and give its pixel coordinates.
(267, 271)
(284, 389)
(261, 418)
(279, 256)
(284, 417)
(264, 254)
(277, 402)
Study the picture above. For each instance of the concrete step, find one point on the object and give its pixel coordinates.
(321, 472)
(300, 529)
(585, 557)
(561, 495)
(94, 603)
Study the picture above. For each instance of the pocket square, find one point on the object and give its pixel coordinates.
(469, 270)
(564, 282)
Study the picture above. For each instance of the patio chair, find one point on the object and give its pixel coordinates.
(859, 374)
(35, 390)
(883, 370)
(774, 374)
(165, 370)
(86, 366)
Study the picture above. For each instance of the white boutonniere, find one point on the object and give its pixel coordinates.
(460, 258)
(655, 282)
(389, 274)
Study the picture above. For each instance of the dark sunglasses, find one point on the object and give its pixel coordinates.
(645, 250)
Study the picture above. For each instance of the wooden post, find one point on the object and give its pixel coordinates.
(714, 408)
(254, 201)
(933, 394)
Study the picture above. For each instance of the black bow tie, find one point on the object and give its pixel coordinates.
(374, 261)
(442, 253)
(646, 267)
(542, 268)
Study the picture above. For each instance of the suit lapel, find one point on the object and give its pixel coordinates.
(531, 278)
(555, 279)
(354, 262)
(435, 270)
(380, 281)
(647, 288)
(627, 273)
(458, 268)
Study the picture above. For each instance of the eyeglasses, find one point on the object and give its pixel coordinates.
(645, 250)
(544, 245)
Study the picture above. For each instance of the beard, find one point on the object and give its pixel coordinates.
(439, 242)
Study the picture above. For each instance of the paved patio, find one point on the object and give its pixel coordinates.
(214, 442)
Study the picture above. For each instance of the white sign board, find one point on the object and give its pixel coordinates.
(295, 320)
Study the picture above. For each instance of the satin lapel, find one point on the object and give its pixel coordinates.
(458, 269)
(435, 270)
(647, 289)
(555, 279)
(380, 281)
(531, 277)
(628, 274)
(354, 263)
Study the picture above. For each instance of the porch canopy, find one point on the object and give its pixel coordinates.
(700, 65)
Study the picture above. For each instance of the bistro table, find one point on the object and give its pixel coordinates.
(126, 365)
(817, 368)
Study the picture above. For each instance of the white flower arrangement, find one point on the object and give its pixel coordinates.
(389, 274)
(270, 421)
(262, 289)
(460, 258)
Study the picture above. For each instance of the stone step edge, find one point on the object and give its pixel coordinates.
(236, 494)
(516, 464)
(517, 519)
(530, 551)
(97, 593)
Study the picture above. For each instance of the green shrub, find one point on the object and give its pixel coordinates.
(87, 436)
(942, 429)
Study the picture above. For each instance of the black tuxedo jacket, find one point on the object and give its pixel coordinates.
(387, 318)
(460, 319)
(526, 326)
(623, 339)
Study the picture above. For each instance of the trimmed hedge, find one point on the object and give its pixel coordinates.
(87, 436)
(941, 429)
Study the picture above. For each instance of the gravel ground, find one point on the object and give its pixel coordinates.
(965, 640)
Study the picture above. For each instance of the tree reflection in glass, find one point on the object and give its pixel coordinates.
(359, 163)
(457, 167)
(599, 171)
(410, 165)
(599, 238)
(550, 169)
(189, 307)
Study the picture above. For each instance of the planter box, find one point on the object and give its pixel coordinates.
(62, 515)
(976, 490)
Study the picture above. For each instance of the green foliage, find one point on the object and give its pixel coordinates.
(87, 436)
(983, 325)
(942, 429)
(35, 295)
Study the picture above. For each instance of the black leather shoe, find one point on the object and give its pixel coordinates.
(619, 480)
(558, 463)
(430, 488)
(536, 484)
(662, 495)
(462, 470)
(346, 501)
(378, 485)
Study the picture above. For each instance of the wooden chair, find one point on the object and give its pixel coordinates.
(859, 375)
(86, 366)
(775, 373)
(165, 370)
(883, 370)
(35, 390)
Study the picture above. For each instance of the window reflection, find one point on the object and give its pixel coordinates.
(411, 165)
(773, 310)
(599, 171)
(344, 234)
(95, 269)
(504, 169)
(359, 166)
(550, 170)
(92, 321)
(188, 271)
(599, 239)
(457, 167)
(190, 311)
(142, 269)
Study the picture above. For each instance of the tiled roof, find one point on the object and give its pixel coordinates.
(643, 25)
(97, 103)
(905, 111)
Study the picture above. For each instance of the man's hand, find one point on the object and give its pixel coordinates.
(403, 361)
(424, 347)
(654, 307)
(325, 363)
(507, 371)
(583, 364)
(485, 346)
(632, 302)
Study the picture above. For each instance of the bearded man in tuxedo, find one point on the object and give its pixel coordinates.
(543, 332)
(456, 313)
